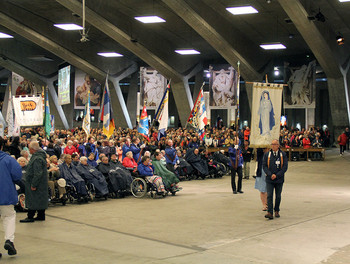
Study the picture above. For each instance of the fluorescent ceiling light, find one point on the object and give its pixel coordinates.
(3, 35)
(344, 0)
(242, 10)
(40, 58)
(68, 26)
(150, 19)
(187, 52)
(272, 46)
(109, 54)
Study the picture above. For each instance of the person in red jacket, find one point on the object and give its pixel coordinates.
(129, 162)
(246, 134)
(70, 149)
(342, 139)
(306, 142)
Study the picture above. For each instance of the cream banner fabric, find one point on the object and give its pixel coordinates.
(28, 110)
(266, 114)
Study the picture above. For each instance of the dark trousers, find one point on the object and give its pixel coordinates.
(342, 149)
(41, 214)
(170, 167)
(278, 190)
(233, 179)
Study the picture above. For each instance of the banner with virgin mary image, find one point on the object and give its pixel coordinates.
(266, 114)
(152, 89)
(83, 83)
(22, 86)
(223, 84)
(301, 89)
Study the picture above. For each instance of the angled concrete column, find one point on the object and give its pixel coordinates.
(115, 80)
(132, 98)
(139, 50)
(321, 48)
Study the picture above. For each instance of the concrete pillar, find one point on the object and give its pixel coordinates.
(309, 117)
(132, 98)
(199, 79)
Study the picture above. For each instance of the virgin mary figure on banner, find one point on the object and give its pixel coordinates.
(266, 113)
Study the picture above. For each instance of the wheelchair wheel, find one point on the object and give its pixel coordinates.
(138, 187)
(22, 202)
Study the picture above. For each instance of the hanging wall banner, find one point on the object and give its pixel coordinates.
(223, 85)
(152, 88)
(266, 114)
(301, 89)
(82, 84)
(64, 85)
(28, 110)
(22, 86)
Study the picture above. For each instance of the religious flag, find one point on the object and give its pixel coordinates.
(143, 124)
(87, 119)
(162, 114)
(108, 121)
(12, 127)
(47, 120)
(203, 121)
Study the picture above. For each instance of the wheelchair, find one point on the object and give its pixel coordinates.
(72, 195)
(94, 193)
(140, 186)
(21, 205)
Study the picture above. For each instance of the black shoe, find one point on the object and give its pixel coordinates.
(277, 214)
(39, 218)
(240, 191)
(10, 247)
(234, 192)
(0, 255)
(27, 220)
(269, 216)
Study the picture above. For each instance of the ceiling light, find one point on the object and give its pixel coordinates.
(187, 52)
(150, 19)
(40, 58)
(68, 26)
(272, 46)
(344, 0)
(3, 35)
(340, 39)
(109, 54)
(242, 10)
(276, 71)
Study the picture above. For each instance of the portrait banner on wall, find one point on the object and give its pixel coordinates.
(301, 89)
(28, 110)
(266, 114)
(64, 85)
(22, 86)
(152, 87)
(84, 82)
(223, 84)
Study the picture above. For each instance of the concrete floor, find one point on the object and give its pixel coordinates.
(204, 223)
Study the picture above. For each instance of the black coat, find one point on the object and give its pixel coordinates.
(276, 166)
(72, 177)
(196, 162)
(91, 175)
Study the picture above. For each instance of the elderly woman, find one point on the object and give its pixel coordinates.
(91, 160)
(23, 163)
(146, 169)
(91, 175)
(70, 149)
(129, 162)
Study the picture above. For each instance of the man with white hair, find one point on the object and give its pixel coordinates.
(36, 184)
(11, 172)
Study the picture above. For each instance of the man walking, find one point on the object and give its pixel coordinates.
(275, 165)
(11, 172)
(36, 184)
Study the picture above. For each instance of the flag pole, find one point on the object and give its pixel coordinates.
(237, 108)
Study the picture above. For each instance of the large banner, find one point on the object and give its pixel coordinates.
(28, 110)
(266, 114)
(64, 85)
(301, 90)
(21, 86)
(223, 84)
(83, 82)
(152, 89)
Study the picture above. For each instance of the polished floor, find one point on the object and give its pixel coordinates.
(204, 223)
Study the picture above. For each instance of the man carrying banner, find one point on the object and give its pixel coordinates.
(236, 162)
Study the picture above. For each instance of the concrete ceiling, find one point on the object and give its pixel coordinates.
(162, 39)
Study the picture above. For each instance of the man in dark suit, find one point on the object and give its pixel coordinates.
(275, 165)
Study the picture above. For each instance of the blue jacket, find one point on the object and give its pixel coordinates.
(145, 170)
(135, 151)
(171, 156)
(125, 149)
(10, 172)
(232, 155)
(273, 165)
